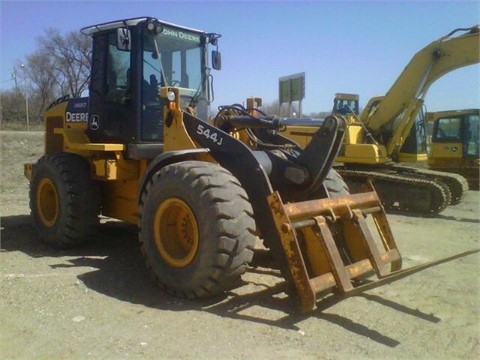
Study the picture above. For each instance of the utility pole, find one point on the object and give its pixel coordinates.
(26, 94)
(14, 76)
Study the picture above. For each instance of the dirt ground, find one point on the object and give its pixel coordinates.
(98, 302)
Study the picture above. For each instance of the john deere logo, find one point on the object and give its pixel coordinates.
(94, 122)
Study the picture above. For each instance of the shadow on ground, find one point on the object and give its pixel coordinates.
(119, 272)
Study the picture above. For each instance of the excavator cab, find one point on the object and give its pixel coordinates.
(346, 104)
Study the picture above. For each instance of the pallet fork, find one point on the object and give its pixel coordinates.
(320, 260)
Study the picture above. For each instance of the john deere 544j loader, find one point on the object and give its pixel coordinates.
(140, 149)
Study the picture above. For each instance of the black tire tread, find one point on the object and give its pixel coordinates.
(79, 198)
(230, 213)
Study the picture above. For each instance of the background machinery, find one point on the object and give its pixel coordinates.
(376, 139)
(414, 148)
(454, 144)
(141, 149)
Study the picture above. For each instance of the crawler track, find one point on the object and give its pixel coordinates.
(457, 184)
(416, 191)
(471, 173)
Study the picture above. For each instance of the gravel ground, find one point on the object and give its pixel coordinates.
(98, 302)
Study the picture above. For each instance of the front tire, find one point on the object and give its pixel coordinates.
(64, 200)
(197, 231)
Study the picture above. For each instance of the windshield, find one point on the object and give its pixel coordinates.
(174, 58)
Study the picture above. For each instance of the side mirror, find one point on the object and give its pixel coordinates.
(216, 60)
(123, 39)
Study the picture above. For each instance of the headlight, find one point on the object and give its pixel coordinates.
(154, 26)
(171, 96)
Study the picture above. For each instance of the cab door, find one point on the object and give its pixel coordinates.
(111, 94)
(447, 139)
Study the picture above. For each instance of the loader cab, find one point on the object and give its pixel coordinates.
(131, 60)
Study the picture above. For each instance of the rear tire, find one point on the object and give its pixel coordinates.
(196, 229)
(64, 200)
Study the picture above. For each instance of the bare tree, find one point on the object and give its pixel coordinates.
(271, 108)
(59, 66)
(12, 105)
(71, 58)
(43, 76)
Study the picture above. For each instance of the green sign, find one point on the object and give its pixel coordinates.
(285, 91)
(292, 88)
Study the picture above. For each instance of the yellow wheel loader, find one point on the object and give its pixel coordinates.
(143, 149)
(454, 146)
(378, 139)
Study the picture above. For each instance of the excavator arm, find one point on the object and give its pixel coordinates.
(396, 111)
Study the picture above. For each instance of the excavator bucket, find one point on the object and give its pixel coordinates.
(328, 244)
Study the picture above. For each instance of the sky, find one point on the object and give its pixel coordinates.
(341, 46)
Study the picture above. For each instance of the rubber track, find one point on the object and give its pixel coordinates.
(382, 180)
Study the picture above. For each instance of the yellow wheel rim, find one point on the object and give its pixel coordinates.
(47, 202)
(176, 232)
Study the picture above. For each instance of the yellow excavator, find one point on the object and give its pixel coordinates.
(374, 138)
(413, 150)
(454, 146)
(203, 192)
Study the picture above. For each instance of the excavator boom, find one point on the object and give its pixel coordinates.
(430, 63)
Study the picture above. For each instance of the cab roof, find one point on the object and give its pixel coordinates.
(92, 29)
